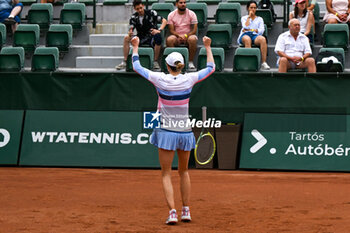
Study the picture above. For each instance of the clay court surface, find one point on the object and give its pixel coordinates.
(119, 200)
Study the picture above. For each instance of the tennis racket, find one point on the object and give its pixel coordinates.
(205, 147)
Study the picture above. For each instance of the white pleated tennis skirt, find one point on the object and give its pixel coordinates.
(171, 140)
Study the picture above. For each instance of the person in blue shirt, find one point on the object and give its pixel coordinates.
(252, 32)
(9, 12)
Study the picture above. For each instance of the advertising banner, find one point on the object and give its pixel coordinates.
(10, 136)
(296, 142)
(87, 139)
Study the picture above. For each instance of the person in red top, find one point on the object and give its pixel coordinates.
(182, 24)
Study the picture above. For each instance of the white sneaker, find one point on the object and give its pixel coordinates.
(185, 214)
(265, 66)
(121, 66)
(172, 219)
(191, 66)
(156, 65)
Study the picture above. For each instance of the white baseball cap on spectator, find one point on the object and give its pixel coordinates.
(173, 58)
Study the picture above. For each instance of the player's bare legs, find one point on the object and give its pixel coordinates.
(185, 182)
(165, 159)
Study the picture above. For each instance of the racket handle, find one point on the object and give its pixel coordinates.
(204, 113)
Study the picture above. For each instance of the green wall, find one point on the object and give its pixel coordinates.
(227, 95)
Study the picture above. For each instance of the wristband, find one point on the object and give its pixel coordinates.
(186, 36)
(302, 58)
(160, 29)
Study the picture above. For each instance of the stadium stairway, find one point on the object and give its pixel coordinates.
(104, 51)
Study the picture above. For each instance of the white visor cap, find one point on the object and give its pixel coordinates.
(174, 57)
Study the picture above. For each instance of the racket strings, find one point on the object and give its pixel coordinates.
(205, 148)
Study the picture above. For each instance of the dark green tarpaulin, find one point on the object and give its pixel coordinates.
(227, 95)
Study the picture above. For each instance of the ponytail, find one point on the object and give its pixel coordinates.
(179, 66)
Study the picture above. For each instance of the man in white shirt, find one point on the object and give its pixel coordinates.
(293, 49)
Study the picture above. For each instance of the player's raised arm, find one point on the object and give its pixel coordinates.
(135, 41)
(206, 72)
(136, 60)
(207, 43)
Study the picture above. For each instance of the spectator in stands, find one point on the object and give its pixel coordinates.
(293, 49)
(337, 11)
(305, 17)
(9, 12)
(252, 32)
(183, 28)
(145, 22)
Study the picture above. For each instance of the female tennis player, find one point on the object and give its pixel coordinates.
(174, 91)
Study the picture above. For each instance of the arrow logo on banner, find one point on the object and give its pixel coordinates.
(261, 141)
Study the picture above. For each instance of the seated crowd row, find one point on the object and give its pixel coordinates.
(292, 47)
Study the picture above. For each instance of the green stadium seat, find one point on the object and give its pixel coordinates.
(173, 1)
(28, 2)
(163, 33)
(74, 14)
(167, 51)
(60, 2)
(41, 14)
(278, 2)
(247, 59)
(228, 13)
(266, 15)
(146, 58)
(150, 2)
(163, 9)
(87, 2)
(2, 34)
(242, 2)
(201, 10)
(219, 58)
(11, 59)
(336, 36)
(316, 13)
(27, 36)
(45, 59)
(60, 36)
(312, 33)
(114, 2)
(336, 67)
(266, 33)
(220, 34)
(209, 2)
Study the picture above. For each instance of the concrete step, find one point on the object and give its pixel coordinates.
(97, 50)
(89, 70)
(98, 61)
(106, 39)
(112, 28)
